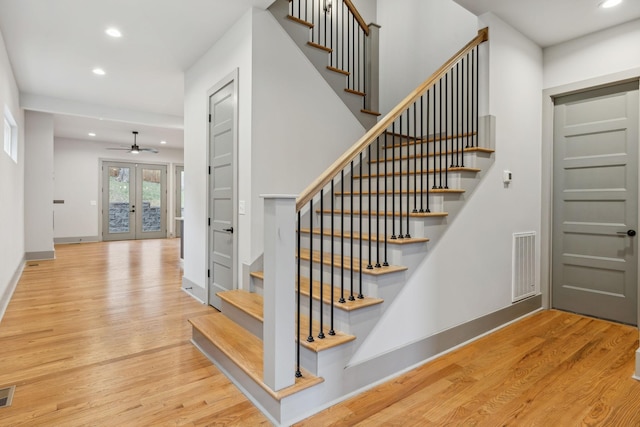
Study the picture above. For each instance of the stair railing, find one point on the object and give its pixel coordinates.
(337, 27)
(391, 171)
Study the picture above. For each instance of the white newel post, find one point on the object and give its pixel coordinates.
(279, 290)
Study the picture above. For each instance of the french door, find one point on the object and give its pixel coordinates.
(133, 201)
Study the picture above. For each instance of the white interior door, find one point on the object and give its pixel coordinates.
(595, 206)
(133, 201)
(222, 212)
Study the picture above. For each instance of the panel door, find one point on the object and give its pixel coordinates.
(222, 238)
(594, 269)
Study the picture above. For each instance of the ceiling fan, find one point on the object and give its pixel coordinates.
(135, 149)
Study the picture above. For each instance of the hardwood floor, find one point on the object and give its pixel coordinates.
(100, 337)
(550, 369)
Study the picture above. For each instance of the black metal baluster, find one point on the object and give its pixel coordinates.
(360, 232)
(298, 331)
(321, 334)
(313, 20)
(446, 130)
(458, 109)
(423, 141)
(440, 133)
(400, 137)
(427, 158)
(353, 194)
(341, 300)
(310, 337)
(369, 265)
(383, 214)
(468, 99)
(331, 330)
(407, 235)
(393, 181)
(377, 203)
(418, 142)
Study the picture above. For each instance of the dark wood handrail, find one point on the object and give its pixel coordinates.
(385, 122)
(357, 15)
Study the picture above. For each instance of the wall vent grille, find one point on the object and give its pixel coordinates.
(524, 283)
(6, 396)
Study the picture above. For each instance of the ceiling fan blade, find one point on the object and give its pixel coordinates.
(151, 150)
(120, 149)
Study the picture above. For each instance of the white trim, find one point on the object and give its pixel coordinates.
(13, 284)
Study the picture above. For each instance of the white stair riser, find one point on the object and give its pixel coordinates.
(416, 224)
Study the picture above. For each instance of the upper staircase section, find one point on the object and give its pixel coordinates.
(340, 45)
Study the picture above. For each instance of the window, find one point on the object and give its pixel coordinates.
(10, 135)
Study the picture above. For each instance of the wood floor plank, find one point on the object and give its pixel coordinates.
(551, 368)
(100, 336)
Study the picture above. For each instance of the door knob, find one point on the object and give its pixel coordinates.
(229, 230)
(629, 233)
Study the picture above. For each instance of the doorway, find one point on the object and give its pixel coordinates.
(223, 122)
(133, 201)
(179, 198)
(595, 203)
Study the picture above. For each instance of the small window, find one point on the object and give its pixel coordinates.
(10, 135)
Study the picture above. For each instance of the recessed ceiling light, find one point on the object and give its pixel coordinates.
(606, 4)
(92, 134)
(113, 32)
(163, 142)
(99, 71)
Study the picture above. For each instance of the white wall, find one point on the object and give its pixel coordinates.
(467, 273)
(416, 38)
(11, 188)
(232, 51)
(367, 9)
(78, 183)
(595, 55)
(278, 128)
(38, 172)
(300, 126)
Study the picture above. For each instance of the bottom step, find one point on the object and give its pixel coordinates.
(246, 351)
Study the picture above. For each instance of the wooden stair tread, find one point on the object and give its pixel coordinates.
(300, 21)
(252, 304)
(430, 171)
(346, 306)
(306, 255)
(338, 70)
(411, 140)
(437, 153)
(356, 92)
(365, 236)
(390, 193)
(245, 349)
(321, 47)
(374, 213)
(249, 302)
(373, 113)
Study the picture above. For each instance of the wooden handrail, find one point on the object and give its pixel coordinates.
(358, 17)
(385, 122)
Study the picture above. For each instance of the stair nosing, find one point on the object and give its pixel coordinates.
(319, 46)
(301, 21)
(338, 258)
(248, 368)
(317, 346)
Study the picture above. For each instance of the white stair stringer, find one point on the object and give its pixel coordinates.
(299, 33)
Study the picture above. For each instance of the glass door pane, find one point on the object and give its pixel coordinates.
(151, 186)
(118, 201)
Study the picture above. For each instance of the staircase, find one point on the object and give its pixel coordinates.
(345, 53)
(361, 229)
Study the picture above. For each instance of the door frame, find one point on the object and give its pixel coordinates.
(548, 96)
(232, 77)
(177, 211)
(101, 187)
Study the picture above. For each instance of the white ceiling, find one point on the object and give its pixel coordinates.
(549, 22)
(54, 44)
